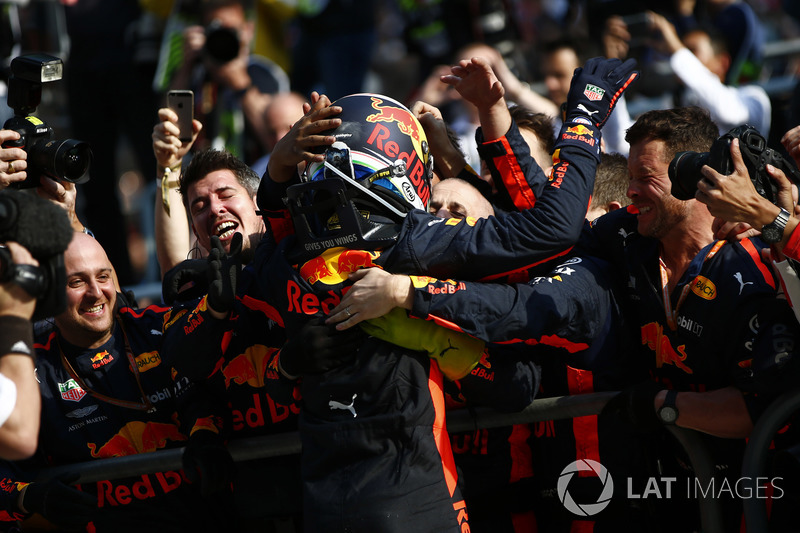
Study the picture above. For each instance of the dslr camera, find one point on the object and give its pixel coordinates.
(684, 169)
(222, 43)
(60, 159)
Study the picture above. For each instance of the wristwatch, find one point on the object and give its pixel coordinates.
(773, 232)
(668, 413)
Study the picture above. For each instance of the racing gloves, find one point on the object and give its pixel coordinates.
(223, 273)
(596, 88)
(456, 353)
(317, 348)
(63, 505)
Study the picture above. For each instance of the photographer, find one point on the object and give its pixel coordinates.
(19, 393)
(219, 67)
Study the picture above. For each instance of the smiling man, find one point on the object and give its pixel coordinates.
(219, 191)
(710, 341)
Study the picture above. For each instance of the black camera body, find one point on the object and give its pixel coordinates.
(685, 168)
(222, 43)
(67, 159)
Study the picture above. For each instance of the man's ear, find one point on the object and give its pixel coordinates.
(613, 206)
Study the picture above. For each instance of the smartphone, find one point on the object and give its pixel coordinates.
(638, 26)
(182, 102)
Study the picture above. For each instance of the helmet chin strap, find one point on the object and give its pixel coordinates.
(374, 196)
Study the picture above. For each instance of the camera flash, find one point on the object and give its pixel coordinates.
(52, 71)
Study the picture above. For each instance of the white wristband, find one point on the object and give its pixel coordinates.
(8, 398)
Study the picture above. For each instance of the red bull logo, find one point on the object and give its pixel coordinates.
(580, 129)
(653, 336)
(352, 260)
(137, 437)
(318, 269)
(405, 120)
(249, 367)
(100, 359)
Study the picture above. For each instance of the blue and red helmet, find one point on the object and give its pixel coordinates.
(377, 171)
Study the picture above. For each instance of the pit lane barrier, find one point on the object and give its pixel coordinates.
(460, 420)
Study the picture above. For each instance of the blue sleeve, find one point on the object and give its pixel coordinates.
(568, 308)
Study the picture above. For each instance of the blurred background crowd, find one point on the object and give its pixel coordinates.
(122, 56)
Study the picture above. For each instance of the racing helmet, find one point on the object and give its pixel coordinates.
(377, 171)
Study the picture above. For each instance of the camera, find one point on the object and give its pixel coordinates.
(43, 228)
(66, 159)
(222, 43)
(685, 167)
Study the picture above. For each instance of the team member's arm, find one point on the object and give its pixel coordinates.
(566, 309)
(172, 231)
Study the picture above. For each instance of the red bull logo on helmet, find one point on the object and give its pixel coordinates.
(332, 266)
(405, 120)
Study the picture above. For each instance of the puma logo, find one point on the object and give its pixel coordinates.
(333, 404)
(450, 347)
(742, 283)
(583, 108)
(624, 234)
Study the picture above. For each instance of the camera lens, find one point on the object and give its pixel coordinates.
(684, 173)
(67, 159)
(222, 43)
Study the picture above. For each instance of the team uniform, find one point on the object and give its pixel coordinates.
(376, 455)
(722, 325)
(119, 399)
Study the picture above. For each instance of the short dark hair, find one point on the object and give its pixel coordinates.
(207, 161)
(539, 123)
(682, 129)
(611, 180)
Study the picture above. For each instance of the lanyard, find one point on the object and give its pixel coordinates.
(146, 404)
(672, 314)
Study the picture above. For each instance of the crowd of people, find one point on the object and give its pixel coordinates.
(355, 266)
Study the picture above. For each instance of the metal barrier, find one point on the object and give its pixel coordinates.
(558, 408)
(754, 463)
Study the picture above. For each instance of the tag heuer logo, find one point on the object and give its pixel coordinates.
(71, 391)
(593, 92)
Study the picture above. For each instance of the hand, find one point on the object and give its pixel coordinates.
(318, 348)
(167, 147)
(670, 43)
(298, 146)
(447, 159)
(734, 198)
(223, 274)
(14, 300)
(476, 82)
(596, 88)
(636, 406)
(616, 38)
(791, 141)
(374, 293)
(206, 460)
(61, 504)
(732, 231)
(456, 353)
(187, 280)
(63, 193)
(13, 161)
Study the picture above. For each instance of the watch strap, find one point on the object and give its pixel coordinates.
(773, 232)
